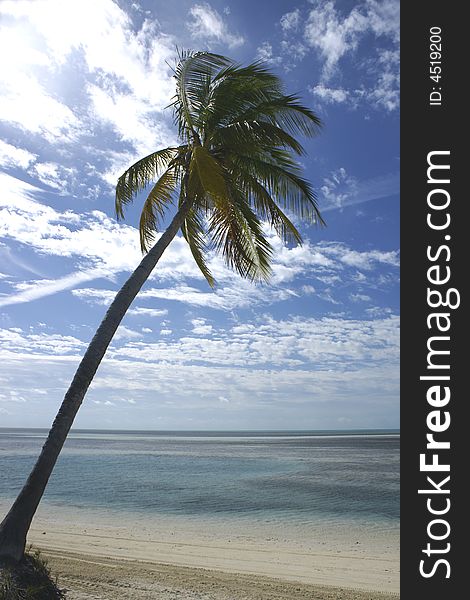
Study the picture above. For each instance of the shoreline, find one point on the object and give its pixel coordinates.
(88, 549)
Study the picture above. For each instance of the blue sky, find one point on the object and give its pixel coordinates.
(82, 94)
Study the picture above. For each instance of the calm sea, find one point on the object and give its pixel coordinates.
(295, 476)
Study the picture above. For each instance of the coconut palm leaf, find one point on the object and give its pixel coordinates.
(194, 233)
(192, 74)
(266, 207)
(155, 206)
(137, 177)
(205, 173)
(236, 231)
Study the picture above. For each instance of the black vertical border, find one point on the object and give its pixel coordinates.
(426, 128)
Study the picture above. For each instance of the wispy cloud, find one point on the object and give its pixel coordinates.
(103, 248)
(264, 52)
(208, 25)
(28, 291)
(290, 21)
(340, 189)
(93, 79)
(336, 37)
(13, 157)
(330, 263)
(330, 95)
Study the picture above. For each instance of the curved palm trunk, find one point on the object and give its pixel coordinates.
(15, 526)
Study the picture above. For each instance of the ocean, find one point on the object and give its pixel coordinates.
(336, 477)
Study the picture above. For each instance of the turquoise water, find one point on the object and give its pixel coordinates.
(294, 476)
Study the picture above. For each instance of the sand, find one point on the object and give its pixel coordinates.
(103, 556)
(108, 579)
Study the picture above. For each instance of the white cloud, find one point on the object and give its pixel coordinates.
(104, 402)
(293, 365)
(386, 92)
(18, 342)
(125, 333)
(28, 291)
(50, 118)
(326, 343)
(360, 298)
(238, 295)
(122, 74)
(207, 24)
(95, 296)
(336, 36)
(384, 18)
(332, 35)
(365, 260)
(55, 175)
(330, 95)
(200, 327)
(340, 189)
(52, 232)
(290, 21)
(100, 247)
(11, 156)
(265, 53)
(140, 311)
(331, 263)
(293, 50)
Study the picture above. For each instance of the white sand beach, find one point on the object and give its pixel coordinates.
(101, 555)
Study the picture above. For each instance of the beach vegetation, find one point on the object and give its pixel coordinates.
(28, 579)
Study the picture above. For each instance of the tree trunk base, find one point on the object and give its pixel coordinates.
(12, 540)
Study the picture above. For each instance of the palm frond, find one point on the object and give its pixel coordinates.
(137, 177)
(194, 233)
(284, 111)
(192, 74)
(257, 135)
(206, 174)
(269, 211)
(254, 94)
(283, 183)
(154, 207)
(236, 232)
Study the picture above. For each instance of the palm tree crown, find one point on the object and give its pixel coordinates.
(235, 165)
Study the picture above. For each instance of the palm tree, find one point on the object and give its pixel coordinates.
(235, 168)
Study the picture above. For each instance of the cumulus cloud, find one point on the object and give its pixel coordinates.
(201, 327)
(14, 342)
(321, 343)
(140, 311)
(294, 365)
